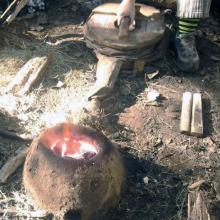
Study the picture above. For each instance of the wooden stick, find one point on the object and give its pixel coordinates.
(4, 15)
(12, 164)
(28, 76)
(12, 135)
(197, 121)
(185, 121)
(189, 203)
(18, 8)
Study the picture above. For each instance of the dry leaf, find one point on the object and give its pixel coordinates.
(152, 96)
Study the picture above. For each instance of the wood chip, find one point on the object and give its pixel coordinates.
(153, 75)
(12, 164)
(196, 184)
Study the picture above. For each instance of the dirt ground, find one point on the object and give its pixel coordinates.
(161, 163)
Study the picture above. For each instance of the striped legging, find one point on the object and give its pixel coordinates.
(193, 8)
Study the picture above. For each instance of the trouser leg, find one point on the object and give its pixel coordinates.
(106, 76)
(193, 8)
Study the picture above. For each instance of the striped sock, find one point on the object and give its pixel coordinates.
(188, 25)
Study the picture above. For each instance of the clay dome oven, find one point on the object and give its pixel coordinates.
(73, 170)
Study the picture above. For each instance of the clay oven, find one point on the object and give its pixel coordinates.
(73, 170)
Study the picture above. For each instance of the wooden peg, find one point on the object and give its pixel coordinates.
(197, 120)
(185, 121)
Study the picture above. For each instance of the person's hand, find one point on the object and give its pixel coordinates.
(126, 9)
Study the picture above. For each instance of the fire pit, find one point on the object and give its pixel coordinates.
(73, 170)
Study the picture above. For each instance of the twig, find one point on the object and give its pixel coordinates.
(14, 136)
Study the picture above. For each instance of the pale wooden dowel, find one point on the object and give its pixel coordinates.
(197, 118)
(185, 121)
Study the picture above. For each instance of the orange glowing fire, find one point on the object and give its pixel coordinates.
(64, 143)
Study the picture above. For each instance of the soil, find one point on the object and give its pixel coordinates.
(160, 161)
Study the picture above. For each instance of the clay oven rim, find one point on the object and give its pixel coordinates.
(103, 145)
(112, 8)
(101, 29)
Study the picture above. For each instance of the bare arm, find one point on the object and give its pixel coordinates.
(126, 9)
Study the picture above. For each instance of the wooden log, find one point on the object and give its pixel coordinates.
(28, 76)
(197, 209)
(185, 121)
(12, 164)
(197, 121)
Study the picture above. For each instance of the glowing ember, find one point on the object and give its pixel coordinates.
(63, 141)
(76, 149)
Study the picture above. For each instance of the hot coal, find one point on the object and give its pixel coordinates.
(66, 143)
(76, 149)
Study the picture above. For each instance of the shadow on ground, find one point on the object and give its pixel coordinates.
(152, 192)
